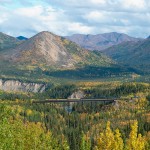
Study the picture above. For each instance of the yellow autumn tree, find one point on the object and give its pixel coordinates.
(106, 141)
(135, 140)
(110, 140)
(119, 145)
(29, 112)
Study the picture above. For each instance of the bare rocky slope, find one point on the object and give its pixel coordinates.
(48, 49)
(17, 86)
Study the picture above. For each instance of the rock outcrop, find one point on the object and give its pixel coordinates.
(17, 86)
(77, 95)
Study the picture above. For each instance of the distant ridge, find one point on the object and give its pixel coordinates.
(100, 42)
(21, 38)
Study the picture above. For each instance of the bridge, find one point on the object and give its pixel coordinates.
(74, 100)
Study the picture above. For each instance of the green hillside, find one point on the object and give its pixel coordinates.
(133, 54)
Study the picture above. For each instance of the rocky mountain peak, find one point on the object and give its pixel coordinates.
(45, 47)
(44, 33)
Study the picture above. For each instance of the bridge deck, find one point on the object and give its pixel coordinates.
(74, 100)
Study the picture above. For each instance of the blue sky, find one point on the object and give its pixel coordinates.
(67, 17)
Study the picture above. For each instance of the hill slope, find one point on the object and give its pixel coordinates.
(134, 54)
(48, 49)
(7, 41)
(100, 41)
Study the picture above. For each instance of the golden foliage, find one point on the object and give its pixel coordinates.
(109, 140)
(135, 140)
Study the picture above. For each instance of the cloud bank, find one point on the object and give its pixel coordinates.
(27, 17)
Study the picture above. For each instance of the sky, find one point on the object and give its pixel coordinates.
(67, 17)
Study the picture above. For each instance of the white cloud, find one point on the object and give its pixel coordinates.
(30, 20)
(134, 4)
(5, 1)
(3, 18)
(30, 11)
(95, 16)
(98, 1)
(76, 16)
(79, 28)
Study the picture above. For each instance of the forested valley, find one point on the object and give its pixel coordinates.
(120, 125)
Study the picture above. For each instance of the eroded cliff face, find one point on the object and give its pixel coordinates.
(77, 95)
(17, 86)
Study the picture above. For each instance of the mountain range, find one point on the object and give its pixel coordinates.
(50, 55)
(46, 55)
(100, 42)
